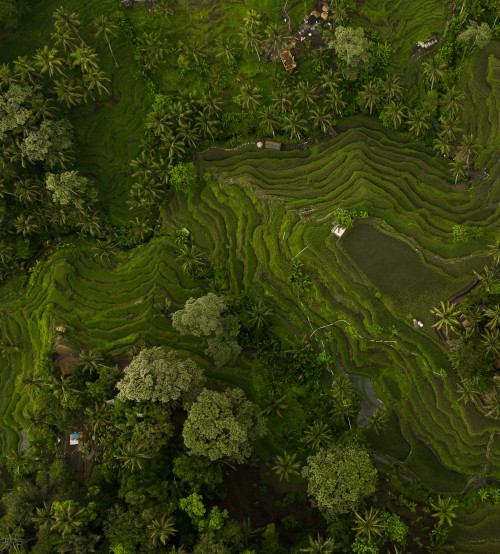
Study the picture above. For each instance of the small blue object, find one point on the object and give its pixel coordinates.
(74, 436)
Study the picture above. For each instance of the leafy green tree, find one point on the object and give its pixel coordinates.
(223, 350)
(490, 340)
(69, 517)
(476, 35)
(104, 28)
(50, 143)
(294, 124)
(249, 97)
(459, 169)
(46, 60)
(447, 315)
(201, 316)
(352, 47)
(183, 178)
(339, 478)
(197, 473)
(433, 69)
(133, 455)
(276, 38)
(161, 529)
(70, 189)
(369, 96)
(286, 466)
(444, 510)
(368, 525)
(223, 425)
(155, 375)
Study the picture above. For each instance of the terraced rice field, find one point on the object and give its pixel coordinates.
(481, 83)
(476, 529)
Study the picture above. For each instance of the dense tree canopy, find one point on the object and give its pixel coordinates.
(351, 46)
(223, 425)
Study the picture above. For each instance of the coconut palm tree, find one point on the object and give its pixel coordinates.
(250, 38)
(276, 38)
(470, 145)
(44, 516)
(329, 80)
(252, 19)
(394, 112)
(318, 435)
(319, 546)
(447, 315)
(274, 404)
(157, 122)
(90, 360)
(46, 60)
(259, 315)
(189, 135)
(378, 421)
(342, 388)
(225, 49)
(6, 252)
(459, 169)
(65, 19)
(285, 466)
(154, 48)
(444, 511)
(192, 259)
(418, 122)
(27, 191)
(268, 120)
(63, 39)
(68, 91)
(321, 118)
(68, 518)
(433, 69)
(103, 29)
(141, 228)
(452, 101)
(494, 251)
(62, 389)
(94, 80)
(25, 70)
(160, 530)
(467, 389)
(494, 406)
(334, 102)
(25, 225)
(90, 224)
(493, 314)
(393, 88)
(42, 107)
(178, 113)
(449, 128)
(85, 58)
(491, 343)
(249, 97)
(282, 99)
(294, 124)
(32, 383)
(142, 166)
(172, 145)
(133, 456)
(369, 95)
(442, 145)
(369, 525)
(210, 103)
(305, 93)
(207, 125)
(97, 416)
(488, 278)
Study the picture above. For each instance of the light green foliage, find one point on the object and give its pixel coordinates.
(223, 351)
(363, 546)
(183, 178)
(193, 506)
(197, 472)
(47, 142)
(476, 35)
(195, 509)
(339, 478)
(395, 529)
(13, 114)
(223, 425)
(11, 12)
(351, 46)
(345, 218)
(200, 316)
(156, 375)
(70, 188)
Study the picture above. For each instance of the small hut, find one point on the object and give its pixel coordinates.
(272, 145)
(288, 61)
(127, 3)
(338, 230)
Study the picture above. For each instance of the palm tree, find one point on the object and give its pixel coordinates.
(378, 421)
(418, 122)
(90, 224)
(321, 118)
(62, 388)
(342, 388)
(394, 113)
(305, 93)
(249, 97)
(491, 343)
(282, 98)
(68, 91)
(172, 145)
(105, 251)
(157, 122)
(317, 435)
(44, 517)
(259, 315)
(90, 361)
(294, 123)
(285, 466)
(329, 80)
(192, 259)
(97, 416)
(160, 530)
(47, 61)
(32, 383)
(459, 169)
(154, 49)
(494, 406)
(207, 125)
(444, 511)
(275, 37)
(86, 58)
(27, 191)
(25, 225)
(224, 49)
(252, 19)
(369, 525)
(211, 104)
(452, 101)
(63, 18)
(494, 250)
(250, 38)
(467, 389)
(449, 128)
(142, 165)
(369, 96)
(162, 7)
(133, 456)
(25, 70)
(493, 314)
(42, 107)
(334, 102)
(141, 228)
(63, 39)
(470, 145)
(393, 88)
(319, 546)
(268, 121)
(178, 113)
(105, 28)
(488, 278)
(447, 315)
(442, 145)
(274, 403)
(433, 69)
(343, 409)
(68, 518)
(94, 80)
(6, 252)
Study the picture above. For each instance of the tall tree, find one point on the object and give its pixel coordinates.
(104, 28)
(249, 97)
(294, 124)
(433, 69)
(369, 96)
(46, 60)
(445, 510)
(447, 315)
(285, 466)
(64, 18)
(369, 525)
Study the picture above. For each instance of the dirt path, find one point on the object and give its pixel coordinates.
(479, 476)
